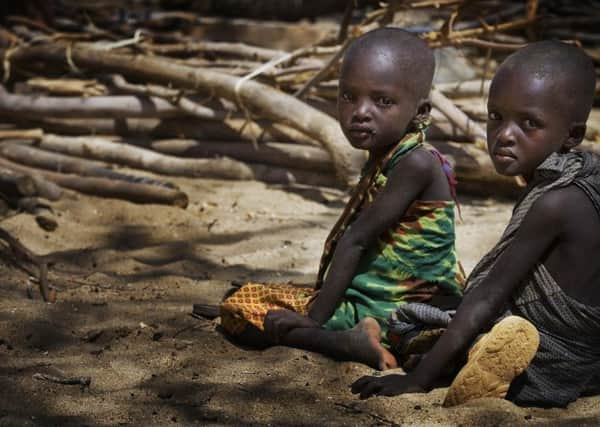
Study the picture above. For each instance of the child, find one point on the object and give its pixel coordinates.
(395, 239)
(545, 268)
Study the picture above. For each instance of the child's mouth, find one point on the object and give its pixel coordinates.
(361, 133)
(504, 155)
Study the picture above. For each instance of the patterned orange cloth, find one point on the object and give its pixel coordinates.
(253, 300)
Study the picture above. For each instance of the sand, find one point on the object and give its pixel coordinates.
(128, 275)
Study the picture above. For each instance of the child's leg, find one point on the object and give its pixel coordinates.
(359, 344)
(494, 361)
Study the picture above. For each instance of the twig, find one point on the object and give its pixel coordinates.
(343, 32)
(22, 252)
(324, 71)
(486, 44)
(82, 382)
(435, 3)
(174, 96)
(356, 410)
(454, 114)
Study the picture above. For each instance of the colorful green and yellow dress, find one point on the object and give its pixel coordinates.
(413, 261)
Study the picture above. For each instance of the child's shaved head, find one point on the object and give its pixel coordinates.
(569, 69)
(411, 56)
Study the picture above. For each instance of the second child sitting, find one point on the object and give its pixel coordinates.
(395, 240)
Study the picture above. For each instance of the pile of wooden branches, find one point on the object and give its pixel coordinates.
(93, 91)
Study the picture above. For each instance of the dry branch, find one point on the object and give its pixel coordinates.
(35, 106)
(175, 97)
(43, 188)
(457, 117)
(14, 186)
(31, 156)
(21, 253)
(464, 88)
(252, 95)
(141, 158)
(67, 86)
(237, 50)
(228, 130)
(34, 134)
(103, 187)
(271, 153)
(82, 382)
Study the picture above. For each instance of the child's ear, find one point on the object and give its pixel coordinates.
(576, 135)
(423, 108)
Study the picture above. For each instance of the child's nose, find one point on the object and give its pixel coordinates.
(362, 111)
(506, 134)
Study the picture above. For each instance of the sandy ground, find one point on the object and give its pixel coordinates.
(127, 276)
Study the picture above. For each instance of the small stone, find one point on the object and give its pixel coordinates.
(165, 394)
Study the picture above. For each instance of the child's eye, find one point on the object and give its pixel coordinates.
(530, 124)
(384, 101)
(493, 116)
(346, 96)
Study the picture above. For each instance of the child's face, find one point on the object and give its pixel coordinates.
(526, 121)
(375, 102)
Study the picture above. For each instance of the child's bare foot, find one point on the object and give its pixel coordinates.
(367, 348)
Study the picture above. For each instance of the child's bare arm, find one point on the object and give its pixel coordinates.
(406, 182)
(541, 228)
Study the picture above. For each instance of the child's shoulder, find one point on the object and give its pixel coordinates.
(418, 160)
(562, 206)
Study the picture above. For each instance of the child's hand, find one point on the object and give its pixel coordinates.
(279, 322)
(388, 385)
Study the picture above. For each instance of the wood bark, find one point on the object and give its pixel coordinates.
(228, 130)
(34, 134)
(250, 94)
(31, 156)
(237, 50)
(103, 187)
(456, 116)
(141, 158)
(173, 96)
(43, 188)
(271, 153)
(441, 128)
(464, 89)
(115, 106)
(14, 186)
(65, 86)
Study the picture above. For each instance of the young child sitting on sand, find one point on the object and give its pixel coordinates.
(544, 274)
(394, 242)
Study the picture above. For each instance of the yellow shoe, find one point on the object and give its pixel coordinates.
(494, 361)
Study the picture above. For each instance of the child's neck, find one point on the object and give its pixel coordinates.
(377, 154)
